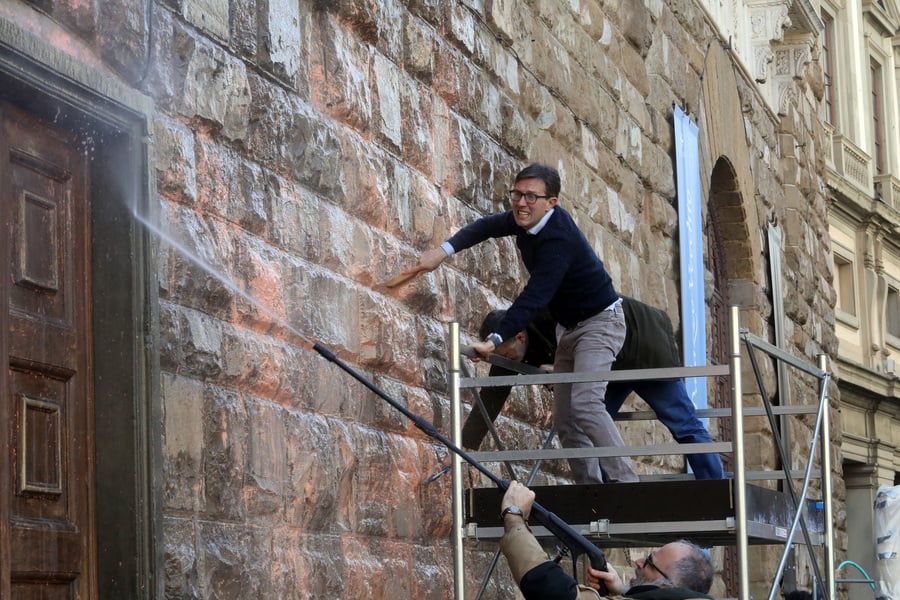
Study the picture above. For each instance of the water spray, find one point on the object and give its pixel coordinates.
(574, 541)
(306, 342)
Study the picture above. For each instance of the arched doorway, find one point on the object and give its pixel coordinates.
(727, 243)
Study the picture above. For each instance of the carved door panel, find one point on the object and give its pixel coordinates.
(46, 472)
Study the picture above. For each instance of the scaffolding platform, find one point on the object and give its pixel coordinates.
(651, 513)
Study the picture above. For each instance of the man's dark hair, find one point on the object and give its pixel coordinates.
(545, 173)
(491, 323)
(540, 347)
(694, 571)
(798, 595)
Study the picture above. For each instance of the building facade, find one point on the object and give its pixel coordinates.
(859, 54)
(196, 190)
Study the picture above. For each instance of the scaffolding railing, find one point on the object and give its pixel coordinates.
(737, 412)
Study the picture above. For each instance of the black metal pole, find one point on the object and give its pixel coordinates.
(577, 543)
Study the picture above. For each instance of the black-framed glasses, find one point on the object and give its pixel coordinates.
(530, 198)
(649, 562)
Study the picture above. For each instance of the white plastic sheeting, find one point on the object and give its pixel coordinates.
(887, 543)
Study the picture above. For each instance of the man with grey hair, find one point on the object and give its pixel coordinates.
(677, 571)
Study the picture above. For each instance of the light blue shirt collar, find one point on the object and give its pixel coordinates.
(540, 225)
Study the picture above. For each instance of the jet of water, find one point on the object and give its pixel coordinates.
(182, 249)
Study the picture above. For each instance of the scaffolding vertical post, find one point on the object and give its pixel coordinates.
(827, 492)
(459, 576)
(740, 477)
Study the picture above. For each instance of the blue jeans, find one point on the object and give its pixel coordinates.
(673, 407)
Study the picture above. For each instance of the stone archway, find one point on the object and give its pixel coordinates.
(728, 253)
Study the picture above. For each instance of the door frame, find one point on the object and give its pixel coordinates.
(115, 120)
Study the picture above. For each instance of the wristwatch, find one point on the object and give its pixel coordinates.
(495, 339)
(512, 509)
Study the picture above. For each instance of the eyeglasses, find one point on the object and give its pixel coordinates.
(648, 562)
(530, 198)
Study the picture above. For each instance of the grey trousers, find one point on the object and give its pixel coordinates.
(579, 413)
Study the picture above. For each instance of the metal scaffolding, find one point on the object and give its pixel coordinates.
(749, 516)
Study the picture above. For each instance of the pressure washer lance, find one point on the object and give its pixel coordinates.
(439, 474)
(577, 543)
(561, 553)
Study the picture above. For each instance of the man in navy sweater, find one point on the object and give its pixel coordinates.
(567, 277)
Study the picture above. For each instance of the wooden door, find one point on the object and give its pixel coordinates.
(47, 541)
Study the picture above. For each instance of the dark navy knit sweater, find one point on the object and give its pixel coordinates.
(565, 273)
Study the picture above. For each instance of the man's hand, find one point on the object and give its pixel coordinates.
(429, 261)
(483, 349)
(610, 579)
(518, 495)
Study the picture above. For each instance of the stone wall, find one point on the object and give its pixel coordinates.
(308, 151)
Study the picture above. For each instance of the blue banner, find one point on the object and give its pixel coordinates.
(690, 238)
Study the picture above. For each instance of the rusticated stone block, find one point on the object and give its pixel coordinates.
(181, 576)
(216, 89)
(260, 300)
(254, 365)
(335, 321)
(176, 162)
(362, 17)
(635, 19)
(250, 207)
(292, 140)
(192, 344)
(238, 562)
(224, 454)
(431, 11)
(473, 180)
(264, 480)
(210, 16)
(245, 28)
(387, 339)
(414, 214)
(183, 401)
(318, 466)
(418, 49)
(376, 487)
(659, 169)
(163, 75)
(327, 390)
(77, 16)
(317, 567)
(236, 189)
(122, 36)
(379, 571)
(417, 143)
(282, 43)
(366, 186)
(191, 273)
(387, 81)
(342, 71)
(449, 75)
